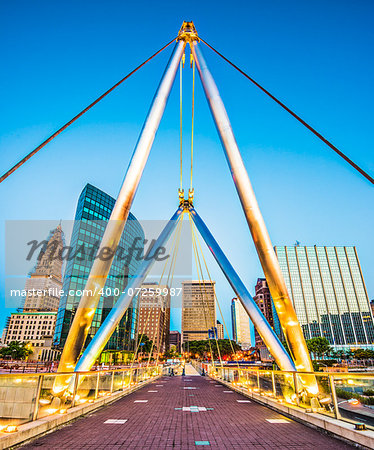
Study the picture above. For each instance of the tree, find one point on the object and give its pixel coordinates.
(171, 354)
(145, 344)
(16, 350)
(363, 354)
(204, 348)
(318, 346)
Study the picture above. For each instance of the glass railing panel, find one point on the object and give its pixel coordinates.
(321, 400)
(17, 399)
(87, 388)
(285, 388)
(118, 381)
(105, 383)
(156, 371)
(126, 379)
(242, 379)
(266, 384)
(56, 394)
(355, 397)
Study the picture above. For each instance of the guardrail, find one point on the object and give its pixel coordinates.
(343, 396)
(28, 397)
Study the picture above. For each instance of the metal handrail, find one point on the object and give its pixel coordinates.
(134, 373)
(268, 372)
(36, 374)
(296, 377)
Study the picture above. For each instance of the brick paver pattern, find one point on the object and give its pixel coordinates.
(204, 415)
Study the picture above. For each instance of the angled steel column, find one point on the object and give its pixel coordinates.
(269, 262)
(100, 269)
(96, 346)
(267, 334)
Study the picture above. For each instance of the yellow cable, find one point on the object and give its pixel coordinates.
(171, 269)
(195, 239)
(149, 312)
(218, 304)
(197, 260)
(175, 239)
(180, 125)
(198, 275)
(193, 115)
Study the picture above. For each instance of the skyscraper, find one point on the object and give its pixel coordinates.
(45, 282)
(35, 323)
(240, 324)
(154, 315)
(198, 309)
(328, 292)
(220, 332)
(264, 302)
(93, 211)
(175, 340)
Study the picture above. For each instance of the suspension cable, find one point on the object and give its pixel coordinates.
(149, 312)
(181, 124)
(170, 279)
(210, 279)
(67, 124)
(215, 294)
(310, 128)
(193, 115)
(200, 273)
(170, 274)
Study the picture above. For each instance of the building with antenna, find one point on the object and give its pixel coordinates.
(34, 324)
(328, 292)
(43, 288)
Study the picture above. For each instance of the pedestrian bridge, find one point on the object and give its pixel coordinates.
(147, 408)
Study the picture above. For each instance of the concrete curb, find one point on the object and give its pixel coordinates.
(337, 428)
(39, 427)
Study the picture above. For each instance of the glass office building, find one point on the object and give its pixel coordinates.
(328, 292)
(93, 211)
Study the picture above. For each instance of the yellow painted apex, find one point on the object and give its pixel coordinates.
(188, 32)
(186, 203)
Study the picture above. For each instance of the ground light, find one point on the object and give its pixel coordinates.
(10, 429)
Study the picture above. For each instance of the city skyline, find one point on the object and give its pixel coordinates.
(278, 249)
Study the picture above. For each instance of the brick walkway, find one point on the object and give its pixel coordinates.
(175, 417)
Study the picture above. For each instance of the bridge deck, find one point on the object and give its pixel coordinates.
(171, 418)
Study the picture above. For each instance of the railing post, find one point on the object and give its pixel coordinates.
(75, 388)
(112, 382)
(97, 385)
(123, 379)
(37, 398)
(334, 397)
(273, 383)
(258, 381)
(296, 386)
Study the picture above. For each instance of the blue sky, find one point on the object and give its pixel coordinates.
(316, 56)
